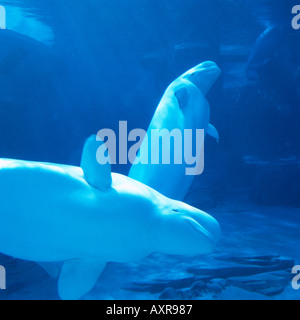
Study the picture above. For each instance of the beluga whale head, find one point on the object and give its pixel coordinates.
(186, 230)
(203, 76)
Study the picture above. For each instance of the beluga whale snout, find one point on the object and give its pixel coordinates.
(187, 230)
(203, 76)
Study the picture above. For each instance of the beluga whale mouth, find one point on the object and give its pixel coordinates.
(199, 228)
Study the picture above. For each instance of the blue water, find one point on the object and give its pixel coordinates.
(70, 68)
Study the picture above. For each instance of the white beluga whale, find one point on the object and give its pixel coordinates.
(183, 106)
(83, 217)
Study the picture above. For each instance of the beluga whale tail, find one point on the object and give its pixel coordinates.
(182, 107)
(83, 217)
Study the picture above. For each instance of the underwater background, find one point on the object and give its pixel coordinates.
(69, 68)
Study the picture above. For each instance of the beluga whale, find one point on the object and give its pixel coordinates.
(83, 217)
(183, 106)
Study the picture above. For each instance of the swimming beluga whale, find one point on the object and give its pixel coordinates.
(84, 217)
(183, 106)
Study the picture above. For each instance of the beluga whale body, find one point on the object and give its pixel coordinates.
(84, 217)
(183, 106)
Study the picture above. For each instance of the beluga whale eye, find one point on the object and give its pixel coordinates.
(175, 210)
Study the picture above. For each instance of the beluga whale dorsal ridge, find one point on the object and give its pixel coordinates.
(183, 106)
(61, 214)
